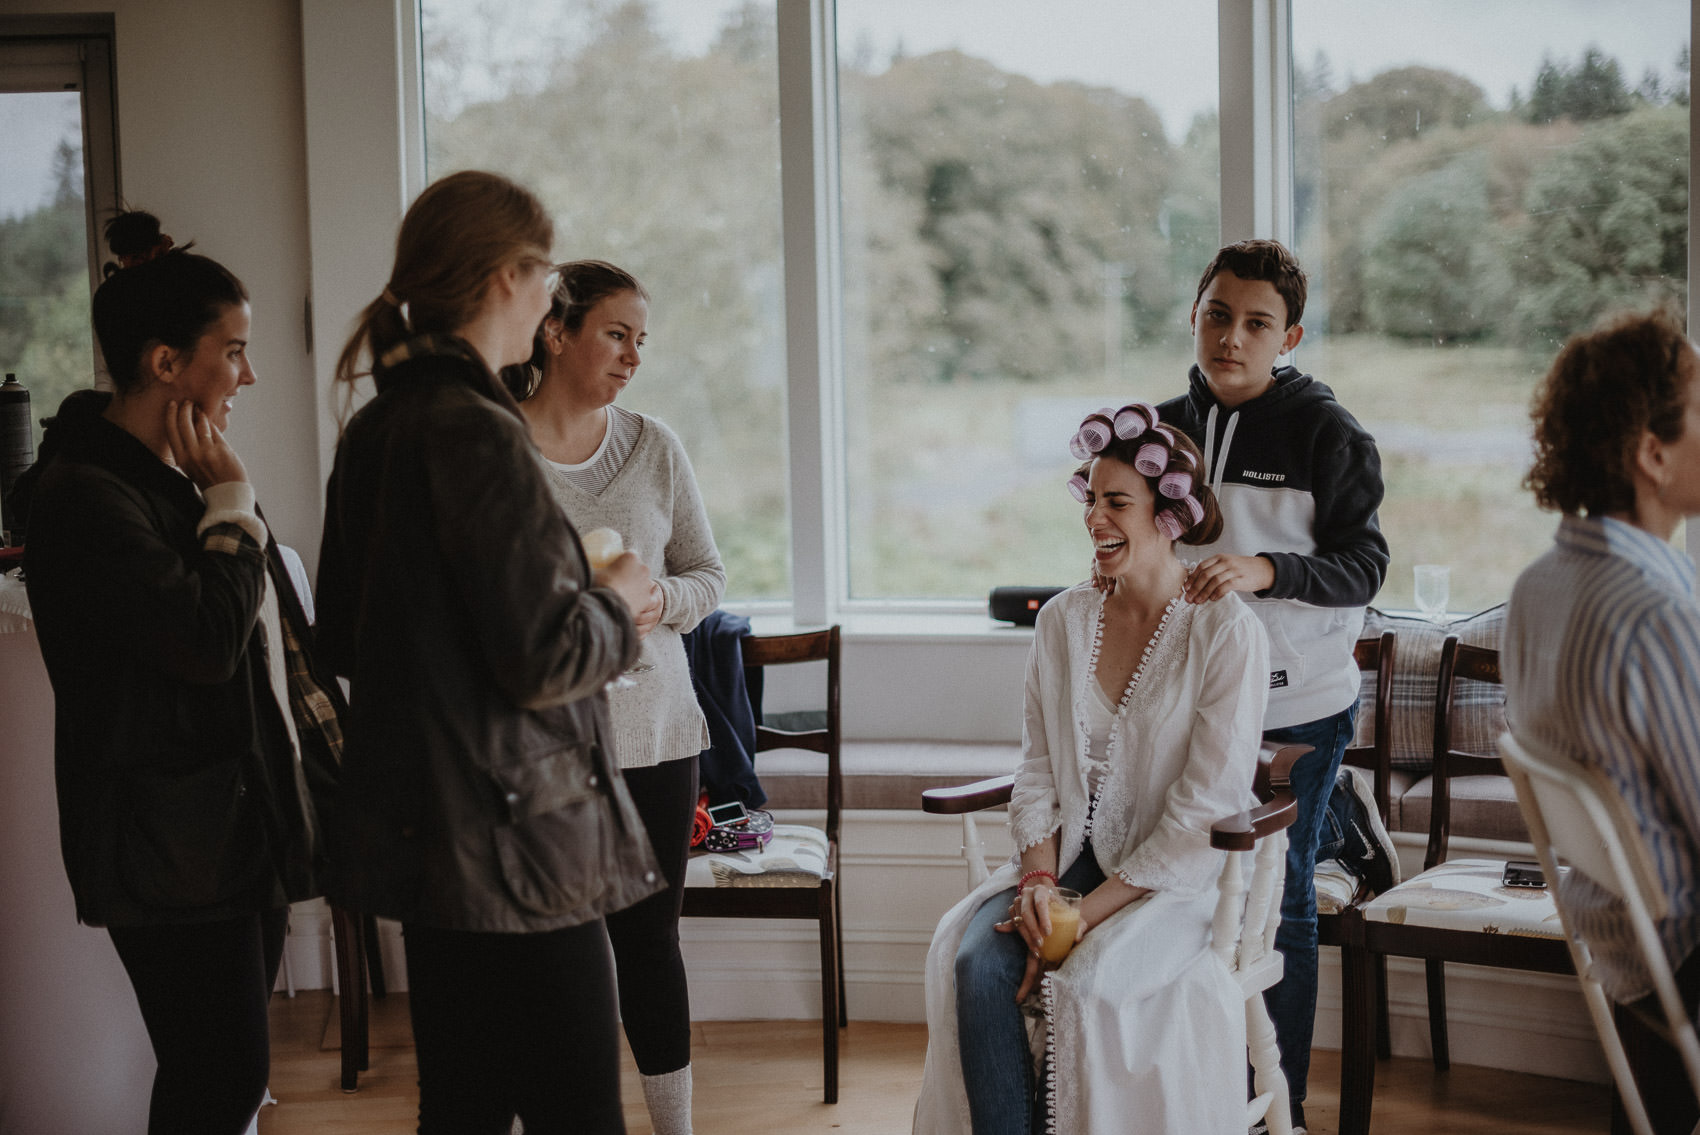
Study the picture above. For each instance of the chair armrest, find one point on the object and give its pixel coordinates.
(981, 794)
(1275, 767)
(1279, 808)
(1241, 831)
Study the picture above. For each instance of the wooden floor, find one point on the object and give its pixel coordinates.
(764, 1078)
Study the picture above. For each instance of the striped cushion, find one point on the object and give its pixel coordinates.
(1335, 887)
(794, 857)
(1478, 707)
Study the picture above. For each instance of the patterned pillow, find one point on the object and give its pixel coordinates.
(1478, 707)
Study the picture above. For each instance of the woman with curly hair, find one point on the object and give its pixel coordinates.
(1602, 639)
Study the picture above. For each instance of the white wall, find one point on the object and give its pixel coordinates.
(212, 139)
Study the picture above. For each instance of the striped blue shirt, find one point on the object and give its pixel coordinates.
(1602, 661)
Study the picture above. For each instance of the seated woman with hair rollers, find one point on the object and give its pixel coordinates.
(1142, 725)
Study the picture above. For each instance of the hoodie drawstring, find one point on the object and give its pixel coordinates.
(1213, 474)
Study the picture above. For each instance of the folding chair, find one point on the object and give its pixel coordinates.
(1575, 814)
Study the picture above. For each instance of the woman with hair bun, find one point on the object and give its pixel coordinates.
(193, 729)
(1143, 721)
(481, 804)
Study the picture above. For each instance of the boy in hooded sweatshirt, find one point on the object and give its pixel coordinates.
(1299, 482)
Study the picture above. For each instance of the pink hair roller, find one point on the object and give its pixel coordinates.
(1152, 459)
(1134, 419)
(1194, 510)
(1176, 483)
(1169, 525)
(1078, 488)
(1094, 434)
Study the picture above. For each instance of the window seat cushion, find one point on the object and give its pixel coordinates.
(881, 774)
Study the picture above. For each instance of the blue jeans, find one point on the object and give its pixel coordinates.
(997, 1064)
(1292, 1003)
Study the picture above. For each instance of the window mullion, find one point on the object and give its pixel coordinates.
(1255, 61)
(808, 145)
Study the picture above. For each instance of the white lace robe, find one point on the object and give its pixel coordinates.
(1146, 1026)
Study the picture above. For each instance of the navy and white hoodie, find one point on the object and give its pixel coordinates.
(1299, 482)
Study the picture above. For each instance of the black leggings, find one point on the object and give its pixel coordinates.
(654, 997)
(203, 988)
(514, 1024)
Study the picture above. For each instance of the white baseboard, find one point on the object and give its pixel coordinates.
(903, 869)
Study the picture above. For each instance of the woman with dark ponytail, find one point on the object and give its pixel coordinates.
(193, 729)
(481, 802)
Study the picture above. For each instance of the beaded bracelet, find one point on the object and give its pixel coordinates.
(1022, 886)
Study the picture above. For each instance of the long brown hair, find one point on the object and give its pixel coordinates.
(455, 236)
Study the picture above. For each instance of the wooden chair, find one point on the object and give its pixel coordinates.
(1247, 917)
(1486, 925)
(775, 883)
(1574, 814)
(356, 957)
(1373, 656)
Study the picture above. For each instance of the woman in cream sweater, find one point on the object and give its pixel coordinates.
(613, 468)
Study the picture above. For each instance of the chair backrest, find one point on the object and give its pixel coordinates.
(1585, 820)
(808, 646)
(1375, 656)
(1458, 661)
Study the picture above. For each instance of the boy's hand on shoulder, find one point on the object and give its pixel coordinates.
(1219, 575)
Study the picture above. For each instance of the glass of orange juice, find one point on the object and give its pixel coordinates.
(1065, 925)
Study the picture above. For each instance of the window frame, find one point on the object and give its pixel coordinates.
(1256, 164)
(61, 51)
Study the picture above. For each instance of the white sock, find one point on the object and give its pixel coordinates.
(668, 1097)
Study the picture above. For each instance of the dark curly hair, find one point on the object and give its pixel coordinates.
(1606, 387)
(1183, 455)
(1267, 260)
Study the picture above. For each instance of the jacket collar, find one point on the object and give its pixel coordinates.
(81, 432)
(397, 363)
(1605, 536)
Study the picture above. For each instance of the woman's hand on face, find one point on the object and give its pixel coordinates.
(649, 616)
(199, 448)
(628, 578)
(1103, 584)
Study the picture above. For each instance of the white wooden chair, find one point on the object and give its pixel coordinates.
(1575, 815)
(1247, 914)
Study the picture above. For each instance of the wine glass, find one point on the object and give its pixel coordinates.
(1433, 582)
(602, 546)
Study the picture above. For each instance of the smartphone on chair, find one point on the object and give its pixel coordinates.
(1522, 873)
(733, 815)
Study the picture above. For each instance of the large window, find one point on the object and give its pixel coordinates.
(1012, 205)
(58, 179)
(650, 129)
(1029, 191)
(1464, 202)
